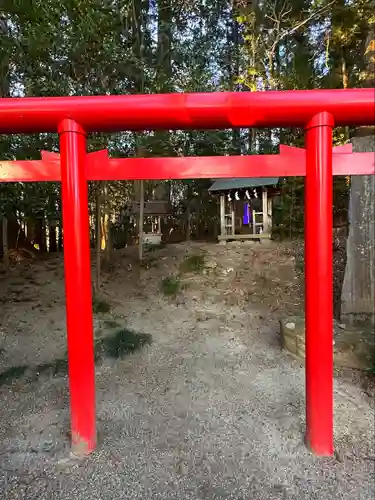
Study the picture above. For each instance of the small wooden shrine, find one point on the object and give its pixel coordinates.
(150, 213)
(245, 207)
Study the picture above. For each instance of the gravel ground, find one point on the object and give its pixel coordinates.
(213, 409)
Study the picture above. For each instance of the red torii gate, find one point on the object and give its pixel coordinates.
(290, 161)
(72, 117)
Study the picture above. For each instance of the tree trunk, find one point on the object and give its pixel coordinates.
(233, 71)
(358, 293)
(188, 223)
(5, 140)
(5, 57)
(15, 235)
(5, 252)
(52, 223)
(60, 239)
(164, 67)
(52, 237)
(141, 220)
(98, 236)
(106, 244)
(40, 234)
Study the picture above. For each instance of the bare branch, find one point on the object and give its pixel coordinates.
(299, 25)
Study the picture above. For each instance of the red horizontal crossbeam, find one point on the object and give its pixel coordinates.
(289, 162)
(187, 111)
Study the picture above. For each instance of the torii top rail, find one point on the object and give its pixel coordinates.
(318, 111)
(187, 111)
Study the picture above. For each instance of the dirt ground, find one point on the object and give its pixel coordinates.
(212, 409)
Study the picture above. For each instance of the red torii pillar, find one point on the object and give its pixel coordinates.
(78, 287)
(319, 285)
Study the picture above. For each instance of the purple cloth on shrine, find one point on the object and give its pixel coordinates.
(247, 214)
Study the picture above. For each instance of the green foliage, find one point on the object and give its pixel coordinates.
(193, 263)
(170, 286)
(55, 368)
(288, 217)
(116, 345)
(111, 323)
(123, 342)
(149, 262)
(100, 305)
(15, 372)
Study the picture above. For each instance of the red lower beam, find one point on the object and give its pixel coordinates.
(318, 285)
(220, 167)
(78, 287)
(290, 162)
(30, 171)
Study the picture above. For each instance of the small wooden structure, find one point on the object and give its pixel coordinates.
(153, 212)
(154, 207)
(254, 195)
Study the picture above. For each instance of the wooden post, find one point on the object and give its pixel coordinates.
(358, 290)
(106, 242)
(233, 219)
(5, 242)
(222, 215)
(98, 235)
(159, 224)
(254, 223)
(188, 222)
(265, 210)
(141, 217)
(269, 212)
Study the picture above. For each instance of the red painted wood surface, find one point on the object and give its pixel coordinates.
(80, 336)
(288, 108)
(319, 284)
(289, 162)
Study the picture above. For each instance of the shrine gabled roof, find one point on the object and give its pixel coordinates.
(230, 184)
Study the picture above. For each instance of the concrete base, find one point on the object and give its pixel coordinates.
(241, 237)
(353, 348)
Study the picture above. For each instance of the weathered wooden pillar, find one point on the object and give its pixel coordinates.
(141, 220)
(5, 249)
(233, 217)
(222, 215)
(358, 292)
(269, 213)
(254, 223)
(265, 210)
